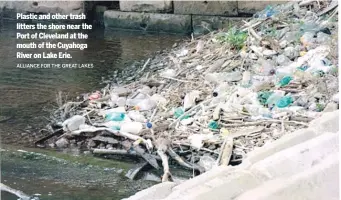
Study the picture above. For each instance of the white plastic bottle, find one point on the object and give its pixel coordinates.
(136, 116)
(146, 104)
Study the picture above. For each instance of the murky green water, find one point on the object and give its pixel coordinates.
(27, 96)
(53, 175)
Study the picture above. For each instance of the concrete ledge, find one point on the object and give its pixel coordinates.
(297, 158)
(316, 183)
(225, 186)
(251, 7)
(286, 141)
(154, 22)
(327, 122)
(163, 6)
(158, 191)
(200, 7)
(203, 178)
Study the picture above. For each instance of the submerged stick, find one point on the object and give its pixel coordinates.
(162, 145)
(166, 173)
(183, 163)
(113, 151)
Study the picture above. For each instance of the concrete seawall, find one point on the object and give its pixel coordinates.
(168, 16)
(301, 165)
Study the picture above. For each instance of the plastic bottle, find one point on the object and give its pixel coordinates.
(133, 102)
(145, 90)
(146, 104)
(178, 112)
(308, 39)
(223, 77)
(284, 102)
(136, 116)
(285, 71)
(285, 81)
(73, 123)
(263, 96)
(274, 97)
(220, 90)
(310, 26)
(213, 125)
(132, 127)
(113, 97)
(264, 67)
(115, 116)
(121, 101)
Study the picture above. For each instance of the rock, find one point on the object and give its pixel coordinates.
(223, 8)
(109, 146)
(146, 6)
(330, 107)
(62, 143)
(148, 21)
(282, 60)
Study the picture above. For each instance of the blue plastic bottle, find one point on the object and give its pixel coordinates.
(115, 116)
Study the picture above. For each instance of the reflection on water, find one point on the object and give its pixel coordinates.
(25, 93)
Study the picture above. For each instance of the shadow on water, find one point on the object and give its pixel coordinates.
(26, 95)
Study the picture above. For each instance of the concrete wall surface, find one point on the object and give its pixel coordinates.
(300, 165)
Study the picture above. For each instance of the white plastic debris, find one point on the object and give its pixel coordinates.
(73, 123)
(207, 162)
(132, 127)
(190, 98)
(168, 73)
(146, 104)
(137, 116)
(223, 76)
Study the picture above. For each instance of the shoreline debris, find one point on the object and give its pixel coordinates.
(217, 97)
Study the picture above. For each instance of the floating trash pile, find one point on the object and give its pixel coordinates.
(215, 98)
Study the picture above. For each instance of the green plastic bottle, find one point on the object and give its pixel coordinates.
(285, 81)
(178, 112)
(213, 125)
(284, 102)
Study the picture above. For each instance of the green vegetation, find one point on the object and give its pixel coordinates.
(234, 37)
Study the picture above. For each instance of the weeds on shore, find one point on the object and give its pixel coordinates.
(233, 37)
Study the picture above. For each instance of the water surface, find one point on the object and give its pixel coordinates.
(28, 95)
